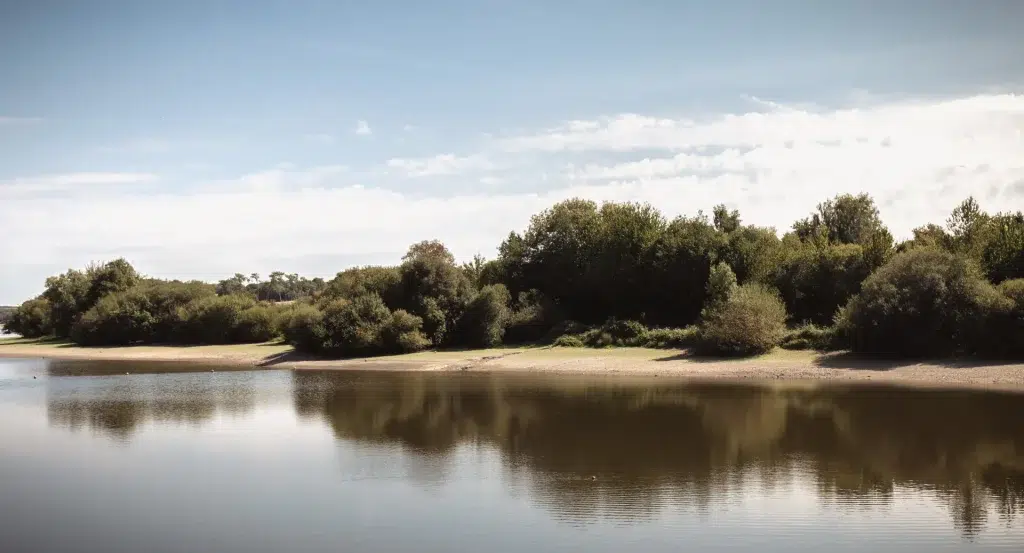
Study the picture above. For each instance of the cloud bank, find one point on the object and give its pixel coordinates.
(918, 159)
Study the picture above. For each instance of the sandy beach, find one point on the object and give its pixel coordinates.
(778, 365)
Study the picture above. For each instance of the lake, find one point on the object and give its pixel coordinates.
(119, 457)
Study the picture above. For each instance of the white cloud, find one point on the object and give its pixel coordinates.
(70, 182)
(363, 128)
(993, 116)
(443, 164)
(918, 159)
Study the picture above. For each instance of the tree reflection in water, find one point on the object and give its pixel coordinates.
(592, 447)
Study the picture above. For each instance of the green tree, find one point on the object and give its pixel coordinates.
(1002, 254)
(111, 277)
(721, 286)
(924, 302)
(725, 221)
(31, 319)
(816, 280)
(68, 296)
(484, 320)
(431, 282)
(679, 264)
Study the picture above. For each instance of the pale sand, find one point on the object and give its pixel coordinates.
(778, 365)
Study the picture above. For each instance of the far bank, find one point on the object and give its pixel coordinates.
(778, 365)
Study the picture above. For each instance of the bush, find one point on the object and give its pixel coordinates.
(751, 322)
(1004, 325)
(534, 318)
(483, 322)
(564, 328)
(302, 327)
(256, 324)
(809, 337)
(568, 341)
(354, 328)
(924, 302)
(212, 320)
(166, 300)
(117, 319)
(672, 338)
(31, 319)
(403, 333)
(615, 333)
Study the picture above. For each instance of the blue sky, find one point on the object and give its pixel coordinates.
(200, 138)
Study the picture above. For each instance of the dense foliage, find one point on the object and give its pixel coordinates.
(616, 274)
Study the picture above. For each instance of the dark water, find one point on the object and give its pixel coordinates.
(163, 460)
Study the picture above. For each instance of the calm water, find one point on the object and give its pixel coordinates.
(163, 460)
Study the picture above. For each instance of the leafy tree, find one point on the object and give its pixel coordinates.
(68, 296)
(1002, 255)
(721, 286)
(626, 234)
(256, 324)
(1003, 333)
(386, 282)
(303, 327)
(233, 285)
(120, 318)
(559, 251)
(967, 228)
(725, 221)
(679, 264)
(432, 249)
(753, 253)
(31, 319)
(212, 320)
(924, 302)
(354, 328)
(434, 289)
(816, 280)
(845, 219)
(403, 334)
(483, 323)
(111, 277)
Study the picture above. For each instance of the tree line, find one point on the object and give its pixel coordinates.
(584, 274)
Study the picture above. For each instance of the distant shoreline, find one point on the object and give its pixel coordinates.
(780, 365)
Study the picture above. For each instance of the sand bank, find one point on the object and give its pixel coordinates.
(779, 365)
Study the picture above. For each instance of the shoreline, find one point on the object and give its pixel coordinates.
(780, 365)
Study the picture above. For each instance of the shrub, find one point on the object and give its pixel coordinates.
(809, 337)
(624, 333)
(751, 322)
(924, 302)
(256, 324)
(564, 328)
(403, 333)
(31, 319)
(118, 318)
(1004, 325)
(302, 327)
(354, 328)
(568, 341)
(671, 338)
(166, 300)
(532, 319)
(212, 320)
(483, 322)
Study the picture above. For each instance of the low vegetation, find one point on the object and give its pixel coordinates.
(614, 275)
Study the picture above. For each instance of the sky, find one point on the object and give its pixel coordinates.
(200, 138)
